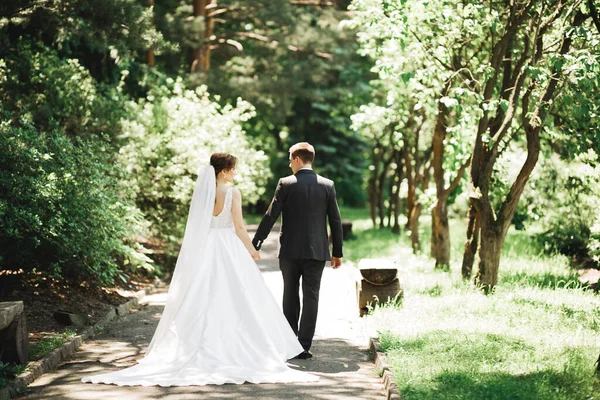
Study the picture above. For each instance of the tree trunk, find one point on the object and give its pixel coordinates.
(381, 189)
(413, 221)
(410, 196)
(381, 197)
(440, 235)
(471, 244)
(201, 54)
(396, 198)
(150, 51)
(372, 189)
(492, 239)
(391, 194)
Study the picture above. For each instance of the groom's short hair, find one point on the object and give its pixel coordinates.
(304, 150)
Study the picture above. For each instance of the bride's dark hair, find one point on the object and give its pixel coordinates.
(221, 161)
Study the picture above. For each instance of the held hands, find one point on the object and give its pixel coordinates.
(255, 254)
(336, 262)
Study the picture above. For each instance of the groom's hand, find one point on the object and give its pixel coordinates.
(257, 243)
(336, 262)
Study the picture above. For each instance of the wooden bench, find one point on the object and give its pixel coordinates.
(14, 338)
(379, 283)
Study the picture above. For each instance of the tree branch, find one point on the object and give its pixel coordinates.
(443, 64)
(262, 38)
(457, 178)
(594, 14)
(533, 126)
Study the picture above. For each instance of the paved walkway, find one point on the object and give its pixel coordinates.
(339, 349)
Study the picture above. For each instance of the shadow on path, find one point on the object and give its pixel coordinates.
(340, 357)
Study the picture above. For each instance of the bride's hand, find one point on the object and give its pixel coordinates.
(255, 254)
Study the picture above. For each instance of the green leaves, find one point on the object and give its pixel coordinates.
(62, 206)
(169, 137)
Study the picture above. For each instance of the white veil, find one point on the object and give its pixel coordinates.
(196, 232)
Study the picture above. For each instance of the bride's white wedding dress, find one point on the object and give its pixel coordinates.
(220, 324)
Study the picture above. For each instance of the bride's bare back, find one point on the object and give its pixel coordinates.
(220, 199)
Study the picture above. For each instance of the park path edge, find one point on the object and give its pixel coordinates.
(382, 367)
(35, 369)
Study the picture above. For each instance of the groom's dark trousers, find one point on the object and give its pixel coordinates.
(311, 272)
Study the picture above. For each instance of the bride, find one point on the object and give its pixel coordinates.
(220, 323)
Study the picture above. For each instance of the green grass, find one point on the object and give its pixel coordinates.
(535, 337)
(250, 219)
(42, 348)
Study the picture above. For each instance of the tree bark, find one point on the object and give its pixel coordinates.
(391, 194)
(413, 221)
(396, 198)
(372, 189)
(472, 243)
(440, 231)
(410, 179)
(381, 188)
(440, 235)
(489, 256)
(150, 51)
(201, 54)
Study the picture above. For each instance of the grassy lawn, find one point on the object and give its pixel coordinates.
(536, 337)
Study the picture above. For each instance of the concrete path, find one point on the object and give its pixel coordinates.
(339, 349)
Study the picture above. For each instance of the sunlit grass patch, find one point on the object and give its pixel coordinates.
(527, 343)
(536, 337)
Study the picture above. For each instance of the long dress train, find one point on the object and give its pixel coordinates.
(226, 328)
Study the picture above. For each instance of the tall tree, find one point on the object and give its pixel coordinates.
(529, 78)
(414, 45)
(507, 63)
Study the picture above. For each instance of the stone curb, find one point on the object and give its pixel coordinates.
(36, 368)
(382, 367)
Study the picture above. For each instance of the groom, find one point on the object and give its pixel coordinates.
(306, 201)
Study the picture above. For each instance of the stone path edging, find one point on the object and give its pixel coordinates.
(36, 368)
(383, 369)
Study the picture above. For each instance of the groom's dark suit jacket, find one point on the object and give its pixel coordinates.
(306, 201)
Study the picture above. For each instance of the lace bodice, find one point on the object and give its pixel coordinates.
(225, 218)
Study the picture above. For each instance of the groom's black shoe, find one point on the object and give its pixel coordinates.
(305, 355)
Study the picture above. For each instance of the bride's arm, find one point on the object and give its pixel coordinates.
(238, 222)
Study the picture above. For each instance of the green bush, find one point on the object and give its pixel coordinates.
(563, 197)
(41, 88)
(63, 211)
(170, 135)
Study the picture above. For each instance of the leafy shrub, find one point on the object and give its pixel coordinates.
(172, 134)
(50, 92)
(63, 211)
(563, 196)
